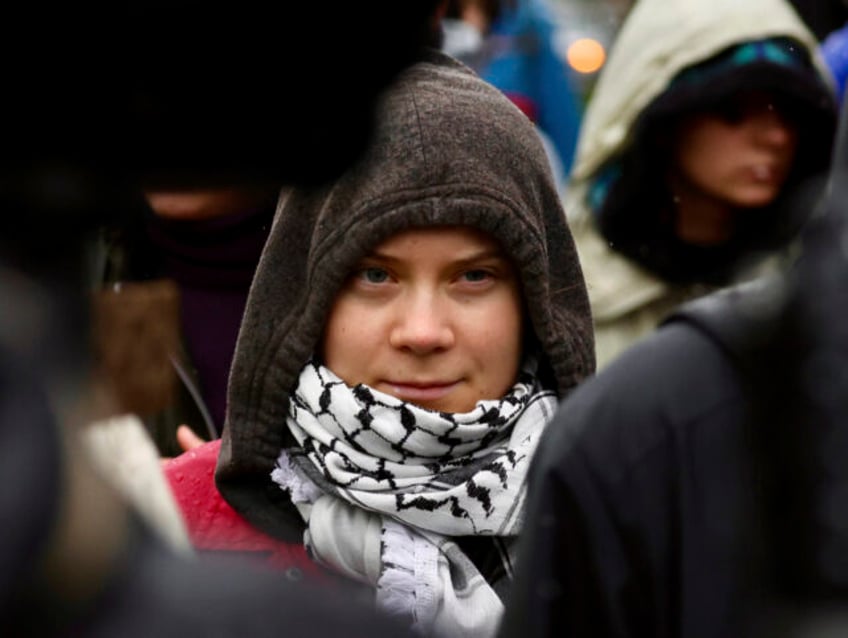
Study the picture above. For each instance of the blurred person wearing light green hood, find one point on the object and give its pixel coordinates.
(708, 122)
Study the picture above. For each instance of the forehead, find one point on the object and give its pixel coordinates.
(461, 241)
(743, 104)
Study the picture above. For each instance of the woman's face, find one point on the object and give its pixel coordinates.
(432, 316)
(740, 154)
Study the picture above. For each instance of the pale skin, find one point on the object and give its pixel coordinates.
(725, 163)
(475, 15)
(432, 316)
(471, 11)
(187, 439)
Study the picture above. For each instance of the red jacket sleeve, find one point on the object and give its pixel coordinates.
(215, 527)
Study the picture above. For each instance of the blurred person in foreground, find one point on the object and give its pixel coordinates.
(707, 122)
(82, 553)
(696, 487)
(408, 331)
(209, 136)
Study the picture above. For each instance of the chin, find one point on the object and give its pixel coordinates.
(450, 407)
(756, 198)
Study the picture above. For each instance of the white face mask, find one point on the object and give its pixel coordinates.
(460, 38)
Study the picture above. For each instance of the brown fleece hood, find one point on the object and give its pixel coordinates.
(448, 149)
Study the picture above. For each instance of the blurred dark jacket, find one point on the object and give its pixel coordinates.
(695, 487)
(639, 495)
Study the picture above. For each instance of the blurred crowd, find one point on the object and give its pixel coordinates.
(313, 326)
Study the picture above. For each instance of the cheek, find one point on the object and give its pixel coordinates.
(702, 157)
(791, 147)
(501, 343)
(343, 339)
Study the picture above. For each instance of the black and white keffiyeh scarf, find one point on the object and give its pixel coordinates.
(383, 486)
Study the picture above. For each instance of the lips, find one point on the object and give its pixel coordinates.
(767, 173)
(417, 392)
(763, 173)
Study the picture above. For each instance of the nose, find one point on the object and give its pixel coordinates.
(422, 325)
(773, 129)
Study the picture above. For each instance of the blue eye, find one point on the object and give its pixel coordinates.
(374, 275)
(476, 275)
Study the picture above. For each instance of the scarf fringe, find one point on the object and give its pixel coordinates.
(287, 475)
(410, 565)
(396, 585)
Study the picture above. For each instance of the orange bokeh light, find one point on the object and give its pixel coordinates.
(586, 55)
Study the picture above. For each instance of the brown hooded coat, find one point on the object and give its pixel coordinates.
(448, 149)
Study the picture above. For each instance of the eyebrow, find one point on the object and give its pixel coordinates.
(474, 256)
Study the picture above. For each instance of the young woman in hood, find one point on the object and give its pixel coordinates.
(703, 127)
(407, 336)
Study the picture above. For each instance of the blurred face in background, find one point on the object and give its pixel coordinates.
(740, 153)
(208, 203)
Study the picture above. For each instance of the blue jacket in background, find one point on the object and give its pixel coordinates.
(520, 59)
(834, 48)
